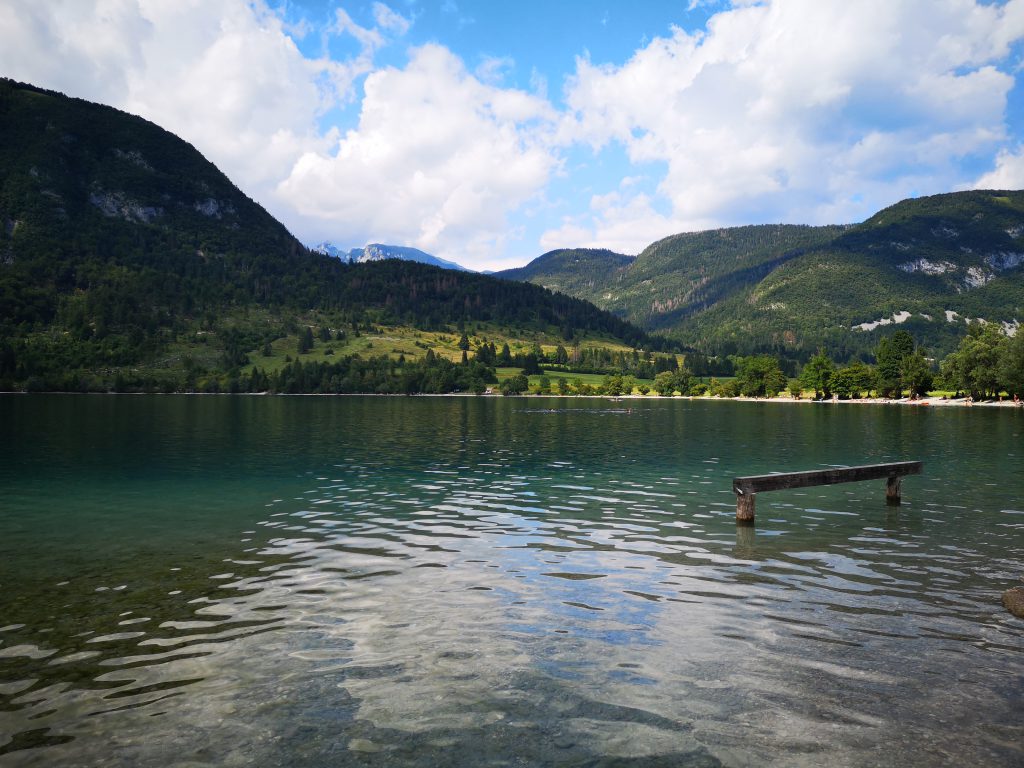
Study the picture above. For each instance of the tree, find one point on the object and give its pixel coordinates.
(665, 384)
(853, 380)
(1011, 367)
(531, 366)
(916, 374)
(890, 353)
(612, 385)
(682, 378)
(729, 388)
(974, 367)
(305, 340)
(464, 343)
(515, 385)
(487, 354)
(817, 375)
(759, 376)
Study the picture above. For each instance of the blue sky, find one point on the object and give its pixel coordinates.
(488, 133)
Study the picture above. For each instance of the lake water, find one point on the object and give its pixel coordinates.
(313, 581)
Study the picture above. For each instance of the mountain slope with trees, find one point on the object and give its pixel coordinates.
(122, 248)
(576, 271)
(927, 264)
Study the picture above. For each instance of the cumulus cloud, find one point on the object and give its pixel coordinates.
(1008, 173)
(224, 74)
(619, 220)
(805, 111)
(439, 159)
(800, 111)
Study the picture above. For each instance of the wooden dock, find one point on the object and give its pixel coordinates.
(747, 488)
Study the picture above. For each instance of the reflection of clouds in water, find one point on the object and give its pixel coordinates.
(499, 617)
(470, 612)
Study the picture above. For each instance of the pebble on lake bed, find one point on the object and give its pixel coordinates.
(1013, 599)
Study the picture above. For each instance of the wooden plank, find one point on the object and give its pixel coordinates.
(784, 480)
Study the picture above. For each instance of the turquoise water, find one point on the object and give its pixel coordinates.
(469, 581)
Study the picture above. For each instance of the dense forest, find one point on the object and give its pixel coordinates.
(119, 242)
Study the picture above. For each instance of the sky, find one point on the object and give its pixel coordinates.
(489, 132)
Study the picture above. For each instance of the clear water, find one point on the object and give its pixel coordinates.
(465, 581)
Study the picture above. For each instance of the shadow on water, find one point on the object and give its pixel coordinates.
(308, 581)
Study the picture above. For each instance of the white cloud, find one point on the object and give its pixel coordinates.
(438, 161)
(622, 222)
(493, 69)
(225, 75)
(390, 20)
(800, 111)
(791, 110)
(1008, 173)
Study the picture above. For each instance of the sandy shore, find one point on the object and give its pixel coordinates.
(925, 401)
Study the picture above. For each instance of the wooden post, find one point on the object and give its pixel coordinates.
(892, 489)
(747, 488)
(745, 503)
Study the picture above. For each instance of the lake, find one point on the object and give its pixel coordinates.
(305, 581)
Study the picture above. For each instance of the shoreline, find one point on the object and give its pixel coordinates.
(960, 402)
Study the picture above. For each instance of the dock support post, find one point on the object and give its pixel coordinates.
(745, 508)
(892, 490)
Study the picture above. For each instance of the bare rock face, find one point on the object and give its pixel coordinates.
(1013, 600)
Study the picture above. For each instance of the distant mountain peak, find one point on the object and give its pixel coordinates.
(380, 252)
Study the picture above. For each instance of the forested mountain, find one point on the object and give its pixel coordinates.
(576, 271)
(121, 246)
(925, 264)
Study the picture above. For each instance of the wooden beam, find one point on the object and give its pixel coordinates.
(784, 480)
(746, 488)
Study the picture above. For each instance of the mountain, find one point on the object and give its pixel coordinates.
(125, 254)
(575, 271)
(328, 248)
(378, 252)
(926, 264)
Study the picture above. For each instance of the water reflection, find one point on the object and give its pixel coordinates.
(544, 587)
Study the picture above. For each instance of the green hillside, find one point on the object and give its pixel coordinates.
(681, 276)
(790, 289)
(125, 255)
(575, 271)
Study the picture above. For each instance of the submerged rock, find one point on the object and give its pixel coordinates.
(1013, 599)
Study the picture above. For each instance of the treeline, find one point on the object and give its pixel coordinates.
(638, 363)
(374, 375)
(985, 365)
(348, 375)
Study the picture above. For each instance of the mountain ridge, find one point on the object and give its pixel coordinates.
(932, 264)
